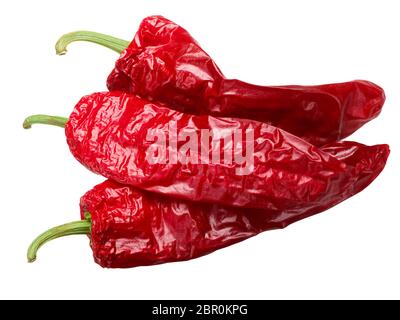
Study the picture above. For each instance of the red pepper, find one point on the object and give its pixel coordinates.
(129, 227)
(108, 133)
(165, 64)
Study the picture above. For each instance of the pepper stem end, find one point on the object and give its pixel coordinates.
(72, 228)
(44, 119)
(115, 44)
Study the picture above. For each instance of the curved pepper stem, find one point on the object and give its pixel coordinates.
(44, 119)
(118, 45)
(76, 227)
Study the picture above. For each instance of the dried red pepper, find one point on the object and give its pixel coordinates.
(129, 227)
(165, 64)
(108, 133)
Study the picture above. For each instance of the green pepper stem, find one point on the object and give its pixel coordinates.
(44, 119)
(76, 227)
(110, 42)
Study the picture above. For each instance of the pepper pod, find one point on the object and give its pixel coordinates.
(117, 135)
(129, 227)
(164, 63)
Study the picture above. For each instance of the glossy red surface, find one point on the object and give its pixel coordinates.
(165, 64)
(133, 228)
(107, 133)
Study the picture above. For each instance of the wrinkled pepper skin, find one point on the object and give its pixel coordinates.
(133, 228)
(165, 64)
(107, 133)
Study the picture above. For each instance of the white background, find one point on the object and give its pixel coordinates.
(350, 251)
